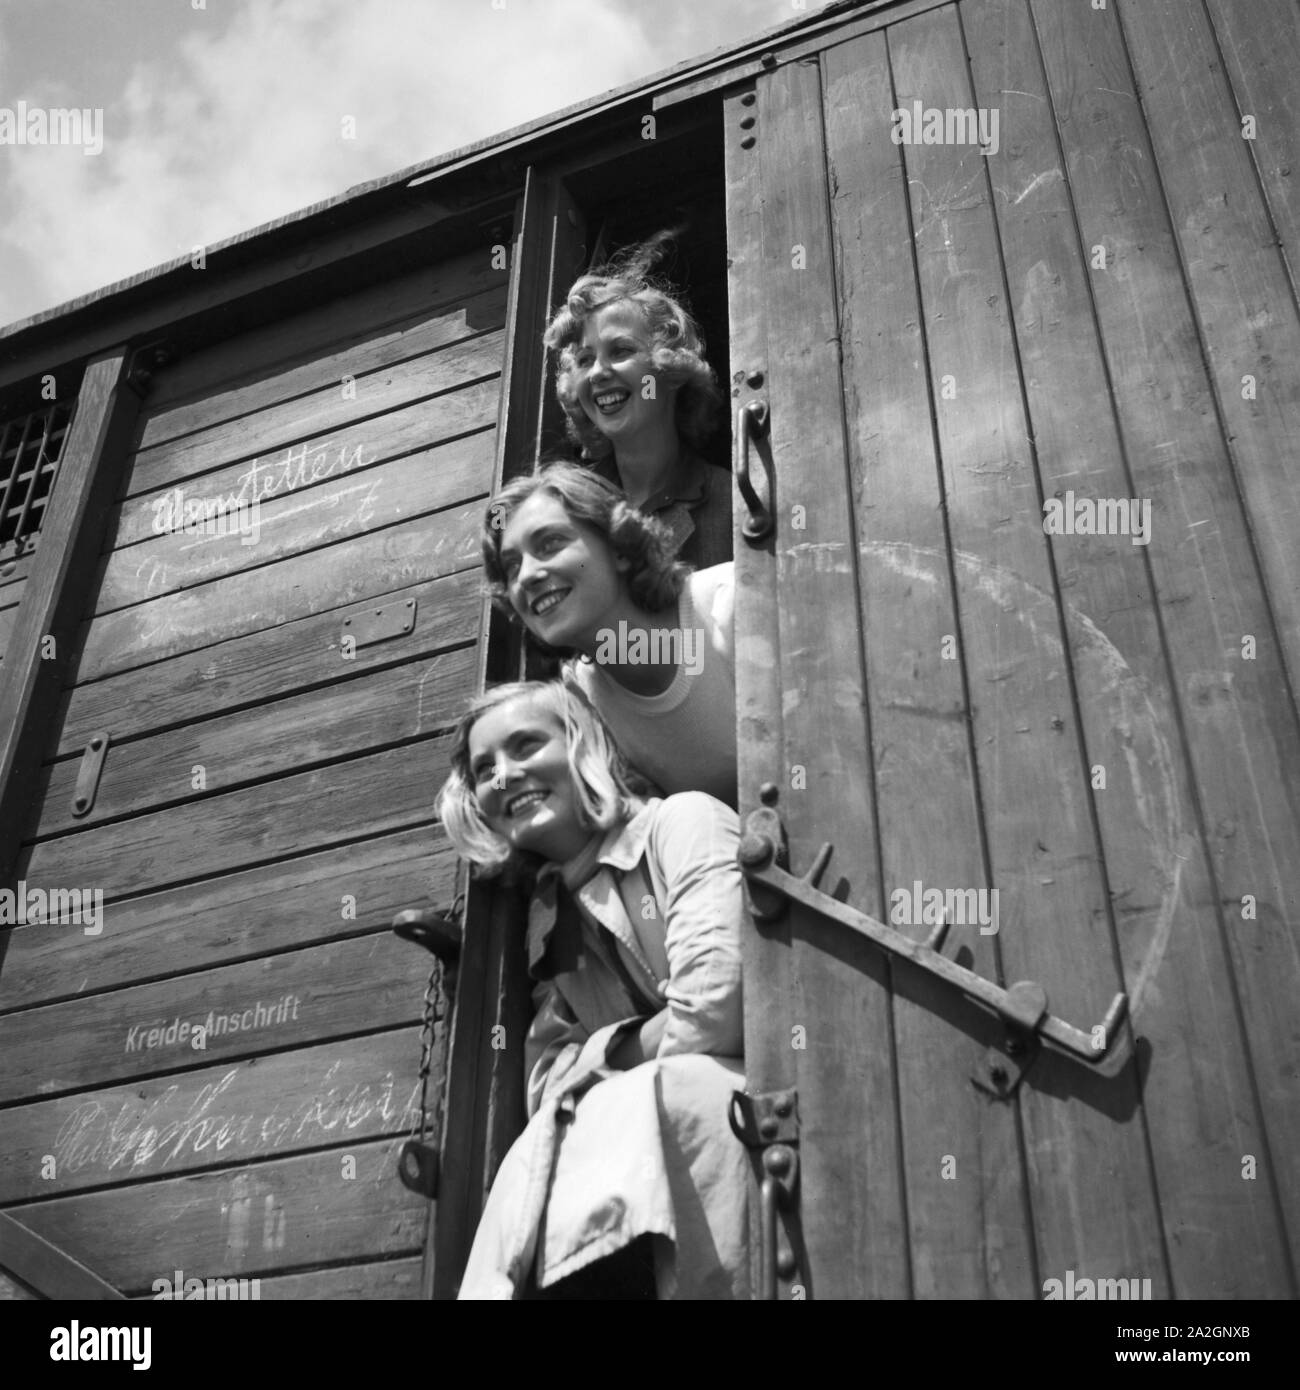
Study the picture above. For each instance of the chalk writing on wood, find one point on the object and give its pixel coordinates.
(176, 1125)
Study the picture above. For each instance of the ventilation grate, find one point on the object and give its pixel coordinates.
(30, 448)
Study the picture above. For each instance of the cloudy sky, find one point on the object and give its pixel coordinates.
(219, 115)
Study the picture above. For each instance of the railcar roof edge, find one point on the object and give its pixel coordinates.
(15, 338)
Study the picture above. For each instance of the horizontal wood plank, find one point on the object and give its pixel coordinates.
(395, 705)
(362, 567)
(386, 791)
(309, 898)
(249, 1220)
(229, 1112)
(383, 1279)
(443, 371)
(273, 663)
(331, 990)
(335, 325)
(351, 503)
(323, 370)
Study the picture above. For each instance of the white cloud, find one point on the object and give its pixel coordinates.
(231, 129)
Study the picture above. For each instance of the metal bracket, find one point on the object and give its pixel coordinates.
(392, 620)
(1022, 1007)
(92, 765)
(767, 1122)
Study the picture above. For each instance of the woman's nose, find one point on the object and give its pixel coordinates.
(528, 570)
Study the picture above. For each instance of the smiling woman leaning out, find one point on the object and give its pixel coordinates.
(634, 946)
(641, 400)
(650, 644)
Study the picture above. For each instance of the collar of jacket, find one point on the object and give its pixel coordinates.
(689, 484)
(621, 849)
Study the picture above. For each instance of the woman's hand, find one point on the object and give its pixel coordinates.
(639, 1045)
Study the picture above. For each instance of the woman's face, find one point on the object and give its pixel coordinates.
(611, 364)
(519, 768)
(562, 576)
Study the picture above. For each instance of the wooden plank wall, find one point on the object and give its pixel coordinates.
(992, 360)
(266, 806)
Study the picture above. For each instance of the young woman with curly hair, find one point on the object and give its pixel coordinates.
(649, 642)
(641, 400)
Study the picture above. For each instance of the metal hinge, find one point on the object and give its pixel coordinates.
(1022, 1007)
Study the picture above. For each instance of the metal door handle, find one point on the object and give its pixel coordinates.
(751, 423)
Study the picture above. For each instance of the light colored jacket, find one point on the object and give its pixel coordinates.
(611, 1155)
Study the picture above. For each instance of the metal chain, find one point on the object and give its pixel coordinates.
(435, 1010)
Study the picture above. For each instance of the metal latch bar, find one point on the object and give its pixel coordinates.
(1023, 1006)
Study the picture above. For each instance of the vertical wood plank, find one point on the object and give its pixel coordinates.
(1054, 914)
(1245, 312)
(968, 1220)
(853, 1201)
(768, 982)
(1236, 718)
(71, 536)
(1197, 1092)
(1261, 51)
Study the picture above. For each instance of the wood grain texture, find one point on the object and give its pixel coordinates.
(842, 999)
(362, 567)
(1054, 912)
(323, 371)
(229, 1112)
(243, 671)
(1175, 966)
(272, 1216)
(326, 329)
(356, 493)
(330, 990)
(1243, 300)
(769, 985)
(295, 902)
(277, 906)
(1236, 719)
(47, 1267)
(385, 707)
(445, 371)
(240, 828)
(969, 1231)
(1261, 53)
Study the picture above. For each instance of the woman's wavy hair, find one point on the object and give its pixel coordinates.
(654, 578)
(676, 346)
(607, 792)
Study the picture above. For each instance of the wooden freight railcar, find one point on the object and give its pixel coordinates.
(963, 659)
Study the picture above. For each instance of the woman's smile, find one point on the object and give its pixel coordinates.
(562, 577)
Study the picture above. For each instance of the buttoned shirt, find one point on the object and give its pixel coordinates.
(660, 904)
(695, 507)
